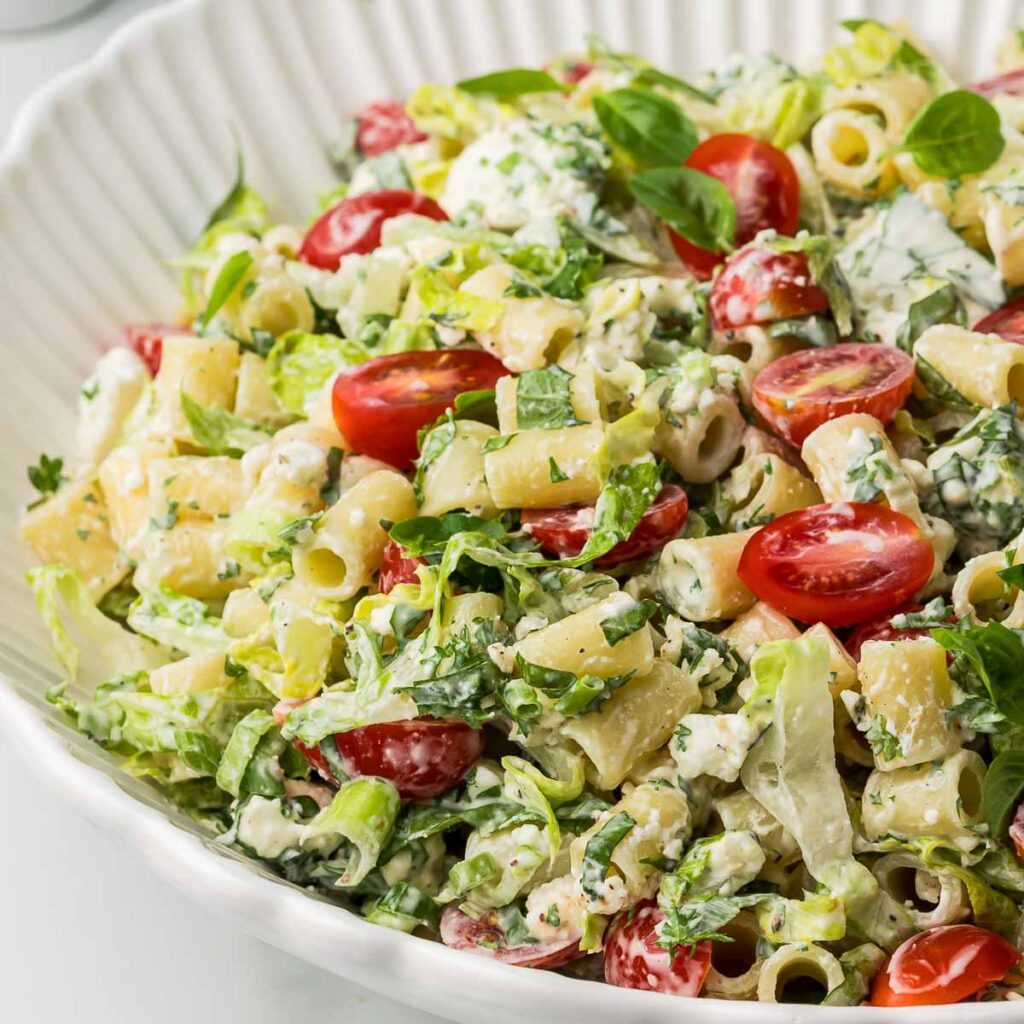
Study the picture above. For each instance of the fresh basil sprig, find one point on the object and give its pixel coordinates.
(230, 277)
(957, 133)
(1002, 791)
(506, 85)
(692, 203)
(646, 125)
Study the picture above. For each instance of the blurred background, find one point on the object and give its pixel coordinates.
(90, 934)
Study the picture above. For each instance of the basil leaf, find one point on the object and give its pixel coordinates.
(957, 133)
(477, 405)
(543, 399)
(1013, 576)
(701, 918)
(617, 627)
(942, 306)
(504, 85)
(692, 203)
(556, 474)
(433, 444)
(995, 653)
(629, 492)
(599, 849)
(423, 535)
(646, 125)
(652, 76)
(229, 278)
(939, 388)
(1001, 791)
(495, 444)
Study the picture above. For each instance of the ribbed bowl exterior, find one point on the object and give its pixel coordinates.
(112, 170)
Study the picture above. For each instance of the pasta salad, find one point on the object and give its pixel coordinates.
(594, 539)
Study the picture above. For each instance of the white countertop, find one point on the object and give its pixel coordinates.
(89, 933)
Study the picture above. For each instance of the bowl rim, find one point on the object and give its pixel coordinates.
(274, 910)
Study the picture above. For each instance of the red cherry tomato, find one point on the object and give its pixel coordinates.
(384, 125)
(762, 183)
(1017, 831)
(758, 285)
(1007, 322)
(381, 405)
(633, 958)
(882, 629)
(943, 965)
(395, 568)
(422, 757)
(840, 564)
(485, 937)
(314, 755)
(799, 392)
(1012, 83)
(575, 73)
(353, 225)
(563, 531)
(147, 341)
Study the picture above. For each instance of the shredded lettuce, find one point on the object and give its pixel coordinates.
(300, 365)
(184, 623)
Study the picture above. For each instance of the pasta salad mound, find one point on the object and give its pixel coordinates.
(595, 539)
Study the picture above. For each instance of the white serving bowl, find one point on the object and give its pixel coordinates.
(114, 167)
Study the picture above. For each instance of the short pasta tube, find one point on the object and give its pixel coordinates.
(254, 398)
(455, 478)
(932, 897)
(757, 626)
(907, 690)
(940, 799)
(73, 528)
(348, 541)
(735, 967)
(753, 346)
(125, 486)
(196, 487)
(206, 369)
(637, 719)
(586, 406)
(529, 332)
(984, 368)
(699, 579)
(198, 672)
(849, 150)
(277, 305)
(190, 559)
(740, 811)
(700, 446)
(765, 486)
(797, 965)
(980, 595)
(578, 644)
(545, 468)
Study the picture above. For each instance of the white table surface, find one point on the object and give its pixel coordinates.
(89, 934)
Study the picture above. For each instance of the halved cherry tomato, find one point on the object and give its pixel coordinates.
(799, 392)
(839, 564)
(563, 531)
(943, 965)
(353, 225)
(314, 755)
(147, 340)
(757, 286)
(882, 629)
(381, 405)
(422, 757)
(485, 937)
(1012, 83)
(1017, 831)
(395, 568)
(762, 183)
(1007, 322)
(382, 126)
(633, 958)
(575, 73)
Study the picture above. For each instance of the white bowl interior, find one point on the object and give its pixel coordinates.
(114, 168)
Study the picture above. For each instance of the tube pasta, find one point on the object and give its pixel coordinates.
(984, 368)
(894, 99)
(577, 643)
(73, 527)
(519, 475)
(932, 898)
(699, 580)
(530, 331)
(464, 609)
(765, 486)
(740, 811)
(940, 799)
(277, 305)
(636, 720)
(348, 542)
(254, 398)
(197, 487)
(759, 625)
(907, 689)
(795, 962)
(753, 346)
(455, 478)
(735, 968)
(245, 613)
(198, 672)
(979, 594)
(188, 558)
(702, 445)
(206, 369)
(123, 477)
(849, 150)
